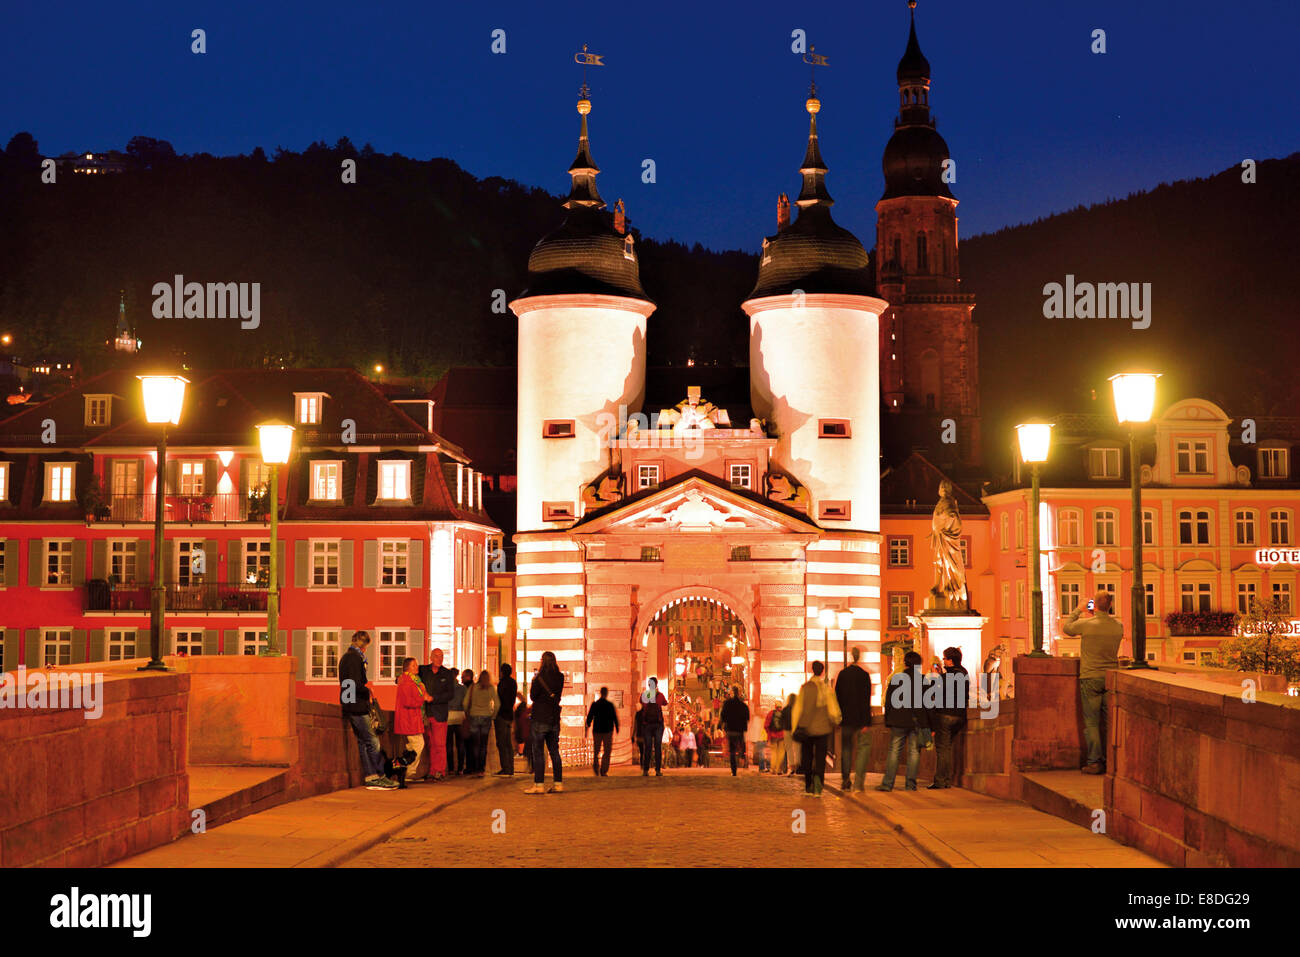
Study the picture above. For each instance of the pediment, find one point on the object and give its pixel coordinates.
(693, 505)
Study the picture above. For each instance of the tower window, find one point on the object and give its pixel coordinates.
(557, 511)
(833, 429)
(558, 429)
(835, 511)
(922, 254)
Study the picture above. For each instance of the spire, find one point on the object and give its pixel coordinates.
(123, 330)
(814, 167)
(584, 169)
(914, 66)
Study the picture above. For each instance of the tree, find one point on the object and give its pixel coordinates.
(148, 153)
(23, 153)
(1264, 641)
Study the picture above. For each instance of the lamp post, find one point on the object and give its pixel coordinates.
(1135, 399)
(276, 439)
(499, 625)
(1035, 440)
(163, 397)
(525, 620)
(826, 618)
(845, 621)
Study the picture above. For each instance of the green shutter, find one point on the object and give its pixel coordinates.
(282, 641)
(234, 562)
(35, 557)
(32, 648)
(211, 641)
(347, 561)
(166, 645)
(415, 645)
(99, 648)
(300, 566)
(169, 560)
(211, 560)
(144, 560)
(230, 644)
(370, 565)
(78, 646)
(210, 476)
(11, 562)
(415, 568)
(300, 652)
(79, 562)
(281, 566)
(99, 558)
(171, 477)
(10, 661)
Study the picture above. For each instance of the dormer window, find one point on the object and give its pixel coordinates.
(1103, 463)
(395, 480)
(1193, 457)
(627, 247)
(98, 410)
(326, 481)
(59, 481)
(1274, 463)
(308, 406)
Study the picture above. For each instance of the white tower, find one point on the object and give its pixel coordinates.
(813, 354)
(582, 335)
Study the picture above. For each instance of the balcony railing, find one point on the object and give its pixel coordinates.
(208, 596)
(219, 507)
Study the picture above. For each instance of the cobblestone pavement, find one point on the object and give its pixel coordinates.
(688, 818)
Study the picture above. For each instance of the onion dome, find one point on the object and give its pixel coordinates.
(587, 254)
(813, 253)
(914, 65)
(914, 157)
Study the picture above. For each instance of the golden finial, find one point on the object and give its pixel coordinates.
(586, 59)
(814, 60)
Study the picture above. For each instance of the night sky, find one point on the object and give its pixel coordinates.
(710, 91)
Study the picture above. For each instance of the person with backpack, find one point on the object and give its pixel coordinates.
(408, 717)
(772, 728)
(735, 721)
(481, 706)
(815, 715)
(602, 722)
(354, 699)
(545, 692)
(652, 726)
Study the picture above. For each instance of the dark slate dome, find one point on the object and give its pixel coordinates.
(913, 163)
(586, 254)
(813, 253)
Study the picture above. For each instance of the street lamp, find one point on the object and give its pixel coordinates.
(276, 439)
(845, 620)
(499, 625)
(163, 397)
(1135, 400)
(826, 618)
(525, 621)
(1035, 440)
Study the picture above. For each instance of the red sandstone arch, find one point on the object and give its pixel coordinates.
(655, 605)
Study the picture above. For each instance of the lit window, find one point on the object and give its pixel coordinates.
(309, 407)
(900, 607)
(325, 564)
(58, 481)
(1103, 526)
(650, 553)
(1193, 457)
(1279, 527)
(121, 559)
(97, 407)
(1103, 463)
(4, 482)
(392, 647)
(393, 563)
(323, 655)
(257, 562)
(191, 478)
(58, 561)
(1195, 596)
(121, 644)
(741, 475)
(1244, 523)
(647, 476)
(56, 647)
(325, 485)
(191, 562)
(740, 553)
(1274, 463)
(395, 480)
(900, 552)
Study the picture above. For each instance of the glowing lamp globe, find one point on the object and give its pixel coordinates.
(276, 439)
(1035, 439)
(1135, 395)
(525, 620)
(737, 659)
(499, 624)
(845, 620)
(163, 397)
(826, 618)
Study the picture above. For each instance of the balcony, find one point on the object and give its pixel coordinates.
(102, 595)
(221, 507)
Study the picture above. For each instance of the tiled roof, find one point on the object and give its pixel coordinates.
(913, 487)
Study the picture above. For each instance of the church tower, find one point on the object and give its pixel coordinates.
(929, 360)
(582, 342)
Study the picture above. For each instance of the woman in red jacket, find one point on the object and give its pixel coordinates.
(408, 718)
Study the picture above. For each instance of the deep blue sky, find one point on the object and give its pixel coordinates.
(710, 91)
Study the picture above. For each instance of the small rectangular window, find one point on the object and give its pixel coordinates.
(834, 511)
(308, 406)
(58, 482)
(833, 428)
(651, 553)
(97, 410)
(647, 476)
(1274, 463)
(395, 480)
(740, 553)
(557, 608)
(558, 429)
(326, 484)
(323, 655)
(1103, 463)
(557, 511)
(741, 475)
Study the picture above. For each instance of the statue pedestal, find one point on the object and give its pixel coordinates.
(951, 628)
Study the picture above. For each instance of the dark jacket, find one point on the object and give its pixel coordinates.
(545, 694)
(523, 726)
(909, 693)
(352, 668)
(507, 688)
(602, 716)
(441, 685)
(735, 716)
(956, 690)
(638, 722)
(853, 692)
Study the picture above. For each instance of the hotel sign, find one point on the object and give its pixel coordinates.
(1277, 556)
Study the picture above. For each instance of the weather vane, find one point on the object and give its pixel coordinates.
(587, 59)
(814, 60)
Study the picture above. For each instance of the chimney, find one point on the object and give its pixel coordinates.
(782, 212)
(620, 218)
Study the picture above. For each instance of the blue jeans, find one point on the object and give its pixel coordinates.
(479, 727)
(367, 744)
(546, 738)
(896, 738)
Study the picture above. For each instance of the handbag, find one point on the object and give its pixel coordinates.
(377, 723)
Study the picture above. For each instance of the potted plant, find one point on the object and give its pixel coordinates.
(259, 504)
(93, 501)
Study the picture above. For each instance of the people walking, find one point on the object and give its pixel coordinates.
(457, 732)
(907, 719)
(772, 730)
(408, 716)
(1100, 638)
(481, 706)
(441, 685)
(703, 744)
(853, 693)
(354, 699)
(602, 722)
(545, 693)
(652, 727)
(735, 721)
(793, 747)
(688, 744)
(815, 715)
(503, 724)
